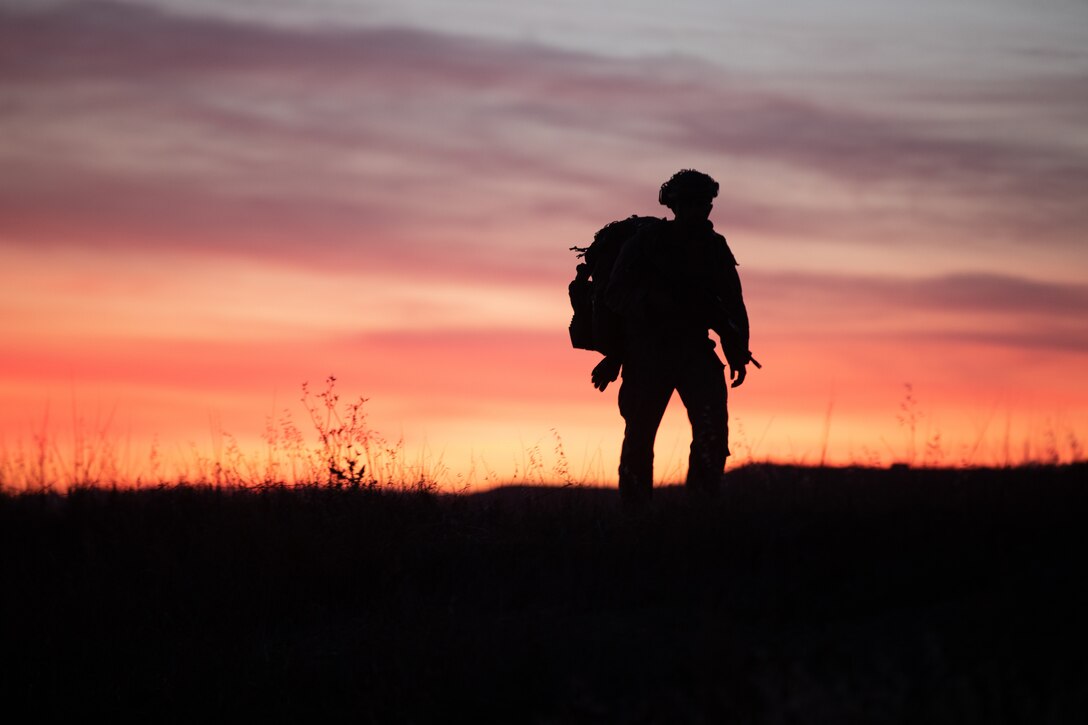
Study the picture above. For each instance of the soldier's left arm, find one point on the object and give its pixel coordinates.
(733, 328)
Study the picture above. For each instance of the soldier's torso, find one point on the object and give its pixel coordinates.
(683, 273)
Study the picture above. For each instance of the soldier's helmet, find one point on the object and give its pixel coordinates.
(687, 185)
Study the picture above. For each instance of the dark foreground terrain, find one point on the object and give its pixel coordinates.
(798, 596)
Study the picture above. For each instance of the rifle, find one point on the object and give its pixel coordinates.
(736, 329)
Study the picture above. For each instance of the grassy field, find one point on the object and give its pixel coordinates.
(798, 596)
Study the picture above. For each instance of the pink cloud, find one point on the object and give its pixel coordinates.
(251, 131)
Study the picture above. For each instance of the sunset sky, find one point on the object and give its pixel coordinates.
(206, 203)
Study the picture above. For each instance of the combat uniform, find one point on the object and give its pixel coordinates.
(669, 287)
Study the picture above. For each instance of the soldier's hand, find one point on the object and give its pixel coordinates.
(738, 374)
(605, 372)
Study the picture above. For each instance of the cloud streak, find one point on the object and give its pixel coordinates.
(157, 123)
(1006, 311)
(994, 294)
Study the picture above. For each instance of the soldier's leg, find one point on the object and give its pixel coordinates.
(703, 390)
(643, 398)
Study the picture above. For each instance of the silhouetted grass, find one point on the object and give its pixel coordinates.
(799, 595)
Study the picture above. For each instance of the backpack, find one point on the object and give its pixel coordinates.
(594, 326)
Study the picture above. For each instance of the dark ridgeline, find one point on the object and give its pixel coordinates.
(646, 296)
(796, 595)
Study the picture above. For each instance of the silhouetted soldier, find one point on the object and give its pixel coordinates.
(672, 283)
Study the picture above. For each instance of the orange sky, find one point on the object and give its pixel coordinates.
(200, 210)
